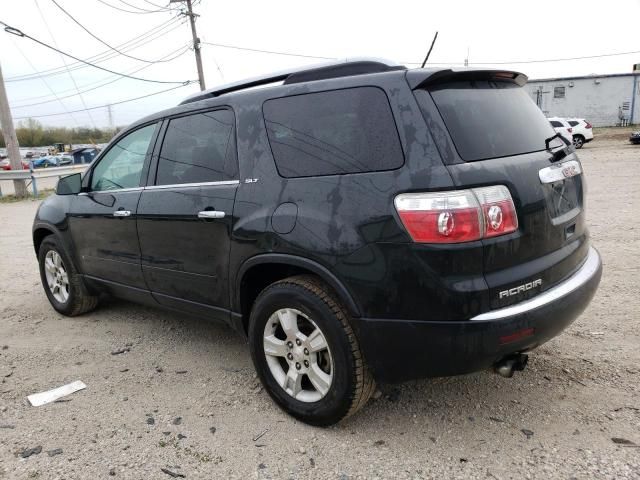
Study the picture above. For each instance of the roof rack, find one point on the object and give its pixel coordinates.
(339, 68)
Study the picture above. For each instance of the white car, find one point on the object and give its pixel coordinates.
(561, 126)
(582, 131)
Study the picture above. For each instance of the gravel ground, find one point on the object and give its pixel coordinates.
(185, 397)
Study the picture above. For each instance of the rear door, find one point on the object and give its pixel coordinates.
(186, 212)
(496, 136)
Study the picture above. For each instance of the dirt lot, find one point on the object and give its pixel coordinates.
(557, 419)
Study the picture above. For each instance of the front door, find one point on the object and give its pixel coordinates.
(185, 214)
(102, 220)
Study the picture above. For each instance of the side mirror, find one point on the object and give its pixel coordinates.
(69, 185)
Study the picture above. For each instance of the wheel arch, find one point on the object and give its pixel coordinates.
(258, 272)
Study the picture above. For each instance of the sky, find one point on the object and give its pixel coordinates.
(482, 31)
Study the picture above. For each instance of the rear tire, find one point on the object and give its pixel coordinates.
(293, 319)
(61, 282)
(578, 141)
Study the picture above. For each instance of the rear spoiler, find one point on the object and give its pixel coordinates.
(425, 78)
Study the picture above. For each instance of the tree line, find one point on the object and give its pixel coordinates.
(31, 133)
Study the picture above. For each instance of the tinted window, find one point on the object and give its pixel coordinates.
(198, 148)
(333, 133)
(121, 166)
(488, 119)
(556, 124)
(573, 123)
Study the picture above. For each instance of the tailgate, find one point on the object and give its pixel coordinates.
(490, 132)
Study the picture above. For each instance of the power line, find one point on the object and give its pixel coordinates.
(112, 103)
(122, 9)
(157, 6)
(95, 36)
(19, 33)
(45, 82)
(183, 50)
(291, 54)
(130, 44)
(273, 52)
(144, 10)
(73, 80)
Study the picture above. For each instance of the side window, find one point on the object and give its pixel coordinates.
(556, 124)
(121, 166)
(198, 148)
(333, 133)
(573, 123)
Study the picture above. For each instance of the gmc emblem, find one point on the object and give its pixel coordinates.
(520, 288)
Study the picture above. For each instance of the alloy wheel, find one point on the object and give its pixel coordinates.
(57, 277)
(298, 355)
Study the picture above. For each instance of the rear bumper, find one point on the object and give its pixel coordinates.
(398, 350)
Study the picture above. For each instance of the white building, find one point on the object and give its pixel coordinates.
(603, 100)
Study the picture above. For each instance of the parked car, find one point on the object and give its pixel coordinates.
(635, 138)
(47, 161)
(359, 222)
(65, 159)
(561, 126)
(582, 131)
(5, 164)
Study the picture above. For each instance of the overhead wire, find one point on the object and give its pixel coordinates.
(46, 83)
(64, 61)
(144, 10)
(273, 52)
(111, 103)
(95, 36)
(184, 49)
(131, 44)
(19, 33)
(513, 62)
(122, 9)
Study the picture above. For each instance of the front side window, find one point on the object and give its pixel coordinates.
(556, 124)
(121, 166)
(333, 133)
(198, 148)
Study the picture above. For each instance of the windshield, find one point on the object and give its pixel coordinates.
(489, 119)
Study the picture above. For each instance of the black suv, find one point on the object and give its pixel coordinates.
(357, 221)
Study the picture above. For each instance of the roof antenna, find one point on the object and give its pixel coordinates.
(429, 52)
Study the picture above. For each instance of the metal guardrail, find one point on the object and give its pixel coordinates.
(46, 172)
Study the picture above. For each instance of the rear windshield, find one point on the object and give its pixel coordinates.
(489, 119)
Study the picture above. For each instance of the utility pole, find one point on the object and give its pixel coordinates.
(196, 41)
(10, 139)
(110, 113)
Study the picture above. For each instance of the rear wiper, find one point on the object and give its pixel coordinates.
(563, 152)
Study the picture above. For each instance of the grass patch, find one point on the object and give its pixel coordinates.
(42, 194)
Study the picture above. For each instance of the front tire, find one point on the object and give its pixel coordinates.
(61, 282)
(306, 353)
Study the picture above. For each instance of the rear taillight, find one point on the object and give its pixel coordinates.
(457, 216)
(588, 125)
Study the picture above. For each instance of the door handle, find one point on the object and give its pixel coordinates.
(121, 213)
(211, 214)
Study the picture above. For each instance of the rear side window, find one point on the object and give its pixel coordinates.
(490, 119)
(573, 123)
(333, 133)
(198, 148)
